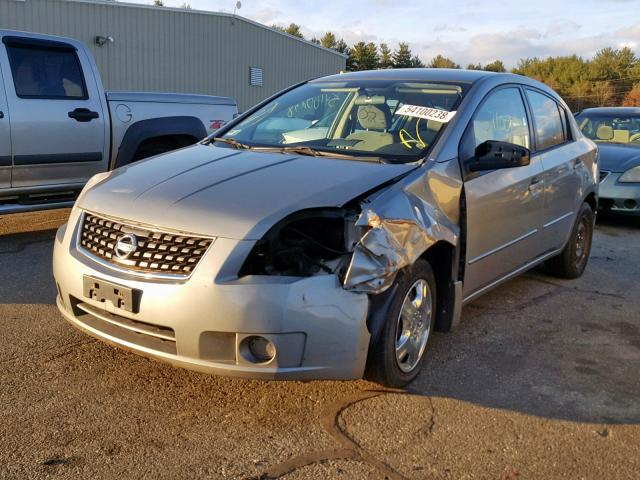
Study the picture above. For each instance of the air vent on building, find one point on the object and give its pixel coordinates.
(255, 77)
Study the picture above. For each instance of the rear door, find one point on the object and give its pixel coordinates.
(504, 206)
(57, 121)
(560, 158)
(5, 140)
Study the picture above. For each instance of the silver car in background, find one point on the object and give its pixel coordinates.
(616, 131)
(331, 229)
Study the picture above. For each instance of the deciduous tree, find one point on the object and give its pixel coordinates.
(440, 61)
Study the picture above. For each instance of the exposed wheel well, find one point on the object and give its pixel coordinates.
(592, 201)
(441, 256)
(161, 144)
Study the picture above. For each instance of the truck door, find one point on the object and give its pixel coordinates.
(57, 119)
(504, 206)
(5, 140)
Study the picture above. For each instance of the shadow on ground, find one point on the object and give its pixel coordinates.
(537, 345)
(25, 268)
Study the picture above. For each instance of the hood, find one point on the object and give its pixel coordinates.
(615, 157)
(221, 192)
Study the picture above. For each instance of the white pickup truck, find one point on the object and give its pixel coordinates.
(58, 127)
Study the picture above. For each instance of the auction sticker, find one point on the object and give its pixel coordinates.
(426, 113)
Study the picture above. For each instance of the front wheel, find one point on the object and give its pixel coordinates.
(396, 357)
(573, 259)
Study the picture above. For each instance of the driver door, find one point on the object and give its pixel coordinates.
(504, 206)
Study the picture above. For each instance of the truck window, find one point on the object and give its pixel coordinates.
(46, 72)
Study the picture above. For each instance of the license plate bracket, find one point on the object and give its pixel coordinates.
(124, 298)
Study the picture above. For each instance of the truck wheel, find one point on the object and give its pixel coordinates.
(573, 259)
(396, 358)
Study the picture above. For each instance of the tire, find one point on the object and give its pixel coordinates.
(575, 256)
(387, 363)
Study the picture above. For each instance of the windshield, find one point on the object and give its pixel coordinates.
(611, 128)
(393, 120)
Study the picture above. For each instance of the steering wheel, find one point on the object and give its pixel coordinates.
(635, 138)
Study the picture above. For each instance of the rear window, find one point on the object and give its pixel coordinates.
(547, 120)
(46, 72)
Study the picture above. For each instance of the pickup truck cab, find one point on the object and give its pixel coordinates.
(58, 127)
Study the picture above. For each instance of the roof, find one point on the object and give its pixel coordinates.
(419, 74)
(112, 3)
(613, 110)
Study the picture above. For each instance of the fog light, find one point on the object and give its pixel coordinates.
(630, 204)
(257, 349)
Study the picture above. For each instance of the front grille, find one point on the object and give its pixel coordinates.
(155, 251)
(603, 174)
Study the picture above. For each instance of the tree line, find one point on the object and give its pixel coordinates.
(610, 78)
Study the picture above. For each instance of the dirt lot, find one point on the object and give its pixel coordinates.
(541, 380)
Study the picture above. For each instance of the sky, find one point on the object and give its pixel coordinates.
(468, 31)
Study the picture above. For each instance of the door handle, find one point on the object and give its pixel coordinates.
(83, 115)
(1, 114)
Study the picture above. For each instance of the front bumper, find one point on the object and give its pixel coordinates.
(318, 328)
(619, 197)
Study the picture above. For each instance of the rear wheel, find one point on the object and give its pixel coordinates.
(396, 357)
(575, 256)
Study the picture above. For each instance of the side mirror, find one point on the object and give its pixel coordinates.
(494, 155)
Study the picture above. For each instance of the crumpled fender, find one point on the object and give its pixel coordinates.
(397, 227)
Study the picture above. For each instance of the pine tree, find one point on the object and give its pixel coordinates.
(416, 62)
(365, 56)
(386, 56)
(328, 40)
(402, 57)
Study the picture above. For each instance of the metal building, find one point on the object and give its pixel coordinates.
(176, 49)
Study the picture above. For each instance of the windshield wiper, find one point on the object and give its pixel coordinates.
(233, 143)
(312, 152)
(300, 150)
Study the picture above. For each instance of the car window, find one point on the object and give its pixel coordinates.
(41, 72)
(502, 117)
(546, 118)
(616, 127)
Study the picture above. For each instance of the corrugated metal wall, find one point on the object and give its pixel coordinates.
(176, 50)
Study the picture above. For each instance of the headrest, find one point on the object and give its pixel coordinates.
(604, 132)
(621, 136)
(372, 117)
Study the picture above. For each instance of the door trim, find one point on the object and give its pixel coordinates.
(502, 247)
(556, 220)
(510, 275)
(57, 158)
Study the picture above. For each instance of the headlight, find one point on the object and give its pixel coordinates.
(306, 243)
(631, 176)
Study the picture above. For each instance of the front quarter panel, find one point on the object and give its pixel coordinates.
(402, 222)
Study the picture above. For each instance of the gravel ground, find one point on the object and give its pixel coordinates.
(539, 381)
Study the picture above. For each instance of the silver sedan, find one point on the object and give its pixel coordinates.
(328, 232)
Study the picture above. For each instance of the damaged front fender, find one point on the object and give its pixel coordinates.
(397, 228)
